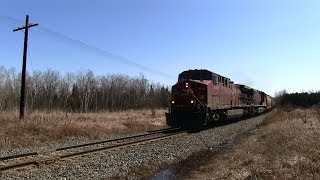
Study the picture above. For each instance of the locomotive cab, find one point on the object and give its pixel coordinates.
(189, 99)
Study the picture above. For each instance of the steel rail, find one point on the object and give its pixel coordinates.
(17, 165)
(18, 156)
(118, 145)
(166, 129)
(47, 160)
(115, 140)
(88, 144)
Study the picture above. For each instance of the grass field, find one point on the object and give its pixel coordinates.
(43, 127)
(285, 147)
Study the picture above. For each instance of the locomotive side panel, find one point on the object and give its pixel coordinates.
(257, 97)
(219, 96)
(226, 97)
(236, 97)
(263, 99)
(245, 95)
(270, 102)
(213, 99)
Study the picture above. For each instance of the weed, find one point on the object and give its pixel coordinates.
(283, 148)
(41, 127)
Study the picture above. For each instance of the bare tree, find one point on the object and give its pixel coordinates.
(2, 83)
(82, 92)
(51, 81)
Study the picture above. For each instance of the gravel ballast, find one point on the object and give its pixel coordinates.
(119, 162)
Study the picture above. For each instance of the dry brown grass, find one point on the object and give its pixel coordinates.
(42, 127)
(286, 147)
(283, 115)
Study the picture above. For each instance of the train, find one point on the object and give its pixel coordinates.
(201, 97)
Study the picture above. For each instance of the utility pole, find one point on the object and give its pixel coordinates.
(24, 64)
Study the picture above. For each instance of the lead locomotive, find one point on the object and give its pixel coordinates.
(201, 97)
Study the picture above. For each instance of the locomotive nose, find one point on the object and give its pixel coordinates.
(188, 94)
(185, 85)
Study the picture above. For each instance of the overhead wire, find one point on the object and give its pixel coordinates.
(49, 36)
(8, 20)
(90, 48)
(30, 60)
(99, 51)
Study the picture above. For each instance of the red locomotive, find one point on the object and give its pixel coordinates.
(201, 97)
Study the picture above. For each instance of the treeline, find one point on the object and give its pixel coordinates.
(80, 92)
(303, 99)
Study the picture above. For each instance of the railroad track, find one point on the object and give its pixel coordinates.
(37, 159)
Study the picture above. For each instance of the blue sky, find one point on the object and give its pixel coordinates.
(268, 44)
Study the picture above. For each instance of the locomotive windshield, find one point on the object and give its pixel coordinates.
(195, 75)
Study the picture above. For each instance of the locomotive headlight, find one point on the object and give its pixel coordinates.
(172, 102)
(187, 85)
(192, 101)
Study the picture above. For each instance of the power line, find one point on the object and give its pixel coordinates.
(9, 21)
(106, 54)
(92, 49)
(30, 60)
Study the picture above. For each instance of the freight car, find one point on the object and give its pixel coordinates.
(201, 97)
